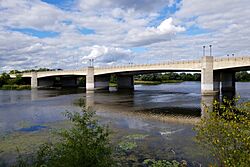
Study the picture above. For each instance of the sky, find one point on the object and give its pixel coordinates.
(67, 33)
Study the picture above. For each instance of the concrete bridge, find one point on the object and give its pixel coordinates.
(213, 72)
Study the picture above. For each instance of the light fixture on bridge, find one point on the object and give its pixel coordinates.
(91, 62)
(204, 50)
(210, 47)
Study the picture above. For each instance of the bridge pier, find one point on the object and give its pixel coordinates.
(228, 81)
(34, 82)
(209, 78)
(45, 82)
(125, 82)
(90, 79)
(102, 82)
(69, 81)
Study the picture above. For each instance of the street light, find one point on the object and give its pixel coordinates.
(204, 50)
(210, 46)
(91, 62)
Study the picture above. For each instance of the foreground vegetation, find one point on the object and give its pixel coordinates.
(225, 133)
(85, 144)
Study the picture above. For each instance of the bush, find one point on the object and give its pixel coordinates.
(85, 144)
(225, 133)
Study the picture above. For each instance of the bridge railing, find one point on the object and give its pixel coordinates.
(232, 58)
(148, 65)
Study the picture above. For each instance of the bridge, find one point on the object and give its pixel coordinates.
(216, 73)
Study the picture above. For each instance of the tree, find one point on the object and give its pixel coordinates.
(242, 76)
(225, 133)
(18, 80)
(4, 79)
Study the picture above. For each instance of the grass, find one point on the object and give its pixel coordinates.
(15, 87)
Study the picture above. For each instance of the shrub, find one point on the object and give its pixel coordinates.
(225, 133)
(85, 144)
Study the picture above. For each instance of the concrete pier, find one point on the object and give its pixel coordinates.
(216, 80)
(208, 76)
(45, 82)
(34, 82)
(228, 81)
(125, 82)
(102, 82)
(69, 81)
(90, 79)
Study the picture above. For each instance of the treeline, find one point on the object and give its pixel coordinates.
(169, 76)
(6, 80)
(242, 76)
(8, 83)
(33, 70)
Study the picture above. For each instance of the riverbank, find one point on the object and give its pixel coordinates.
(138, 82)
(15, 87)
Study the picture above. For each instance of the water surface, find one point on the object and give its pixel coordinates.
(165, 113)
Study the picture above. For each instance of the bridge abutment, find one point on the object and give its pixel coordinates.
(90, 79)
(34, 82)
(209, 78)
(125, 82)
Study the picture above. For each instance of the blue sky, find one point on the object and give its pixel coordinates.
(59, 33)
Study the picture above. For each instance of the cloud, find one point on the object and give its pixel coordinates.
(30, 14)
(140, 5)
(163, 28)
(108, 55)
(164, 32)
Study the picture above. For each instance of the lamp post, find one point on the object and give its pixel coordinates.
(91, 62)
(204, 50)
(210, 48)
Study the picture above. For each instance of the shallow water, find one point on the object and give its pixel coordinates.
(165, 113)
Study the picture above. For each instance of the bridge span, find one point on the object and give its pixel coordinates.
(216, 73)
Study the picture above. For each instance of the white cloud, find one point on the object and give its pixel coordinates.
(30, 14)
(108, 55)
(120, 26)
(163, 32)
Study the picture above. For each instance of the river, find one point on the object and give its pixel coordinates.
(164, 113)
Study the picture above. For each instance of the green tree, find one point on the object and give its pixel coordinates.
(85, 144)
(225, 133)
(4, 79)
(113, 78)
(14, 72)
(242, 76)
(18, 80)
